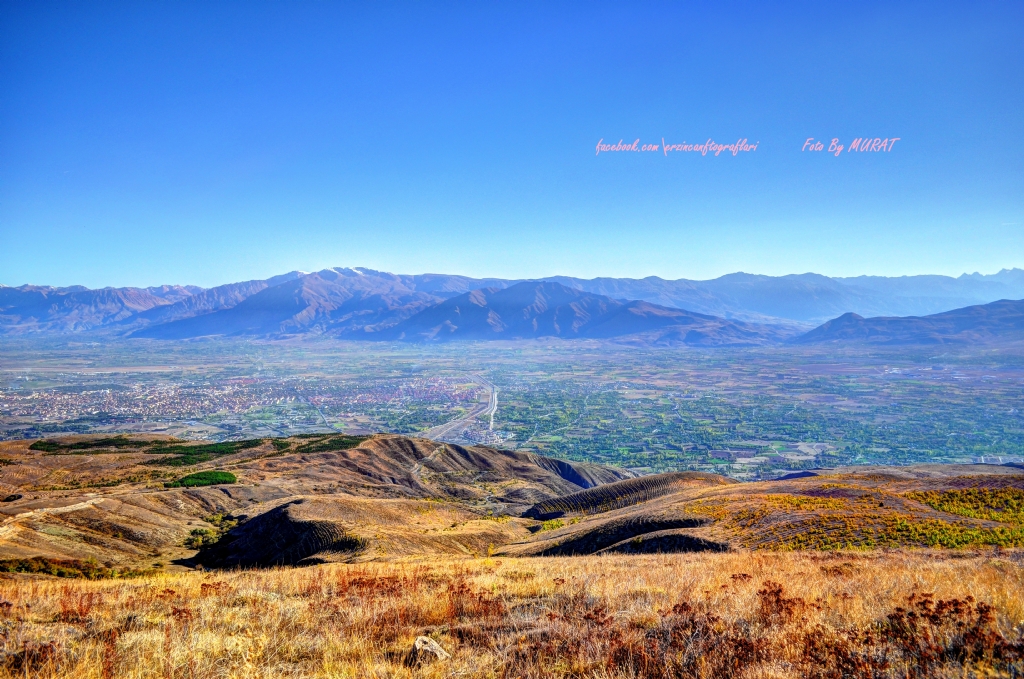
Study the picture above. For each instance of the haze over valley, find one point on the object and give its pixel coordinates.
(567, 367)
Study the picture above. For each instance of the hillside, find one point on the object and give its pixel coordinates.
(206, 301)
(400, 540)
(335, 497)
(105, 497)
(810, 298)
(532, 310)
(853, 508)
(1000, 321)
(625, 493)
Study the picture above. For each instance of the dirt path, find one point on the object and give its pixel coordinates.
(418, 467)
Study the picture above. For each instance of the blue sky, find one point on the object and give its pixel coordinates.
(207, 142)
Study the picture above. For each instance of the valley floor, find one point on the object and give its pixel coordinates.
(747, 614)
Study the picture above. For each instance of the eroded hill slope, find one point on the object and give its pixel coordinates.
(335, 497)
(104, 499)
(924, 506)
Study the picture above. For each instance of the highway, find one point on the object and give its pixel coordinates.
(493, 407)
(452, 431)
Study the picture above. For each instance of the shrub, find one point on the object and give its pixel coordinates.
(804, 502)
(210, 478)
(332, 442)
(990, 504)
(78, 447)
(69, 568)
(221, 522)
(201, 537)
(186, 455)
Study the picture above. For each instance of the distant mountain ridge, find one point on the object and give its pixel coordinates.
(547, 309)
(980, 324)
(212, 299)
(42, 309)
(811, 298)
(328, 301)
(363, 303)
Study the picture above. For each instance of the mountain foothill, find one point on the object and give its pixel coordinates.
(308, 499)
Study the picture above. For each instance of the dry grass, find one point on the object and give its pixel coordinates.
(757, 614)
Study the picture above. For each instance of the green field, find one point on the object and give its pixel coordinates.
(748, 413)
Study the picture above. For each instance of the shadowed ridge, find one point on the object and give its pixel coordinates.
(948, 506)
(622, 494)
(314, 529)
(583, 474)
(391, 465)
(999, 321)
(616, 534)
(283, 536)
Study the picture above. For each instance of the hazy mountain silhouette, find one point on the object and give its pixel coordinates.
(361, 302)
(212, 299)
(996, 322)
(548, 309)
(43, 309)
(811, 297)
(326, 301)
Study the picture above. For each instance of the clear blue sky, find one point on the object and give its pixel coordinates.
(207, 142)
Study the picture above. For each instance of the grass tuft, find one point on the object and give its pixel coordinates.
(883, 616)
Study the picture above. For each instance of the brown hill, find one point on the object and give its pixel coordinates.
(335, 497)
(923, 506)
(318, 529)
(104, 497)
(621, 494)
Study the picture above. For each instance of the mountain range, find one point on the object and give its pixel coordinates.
(362, 303)
(549, 309)
(980, 324)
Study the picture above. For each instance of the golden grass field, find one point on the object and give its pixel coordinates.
(838, 574)
(742, 614)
